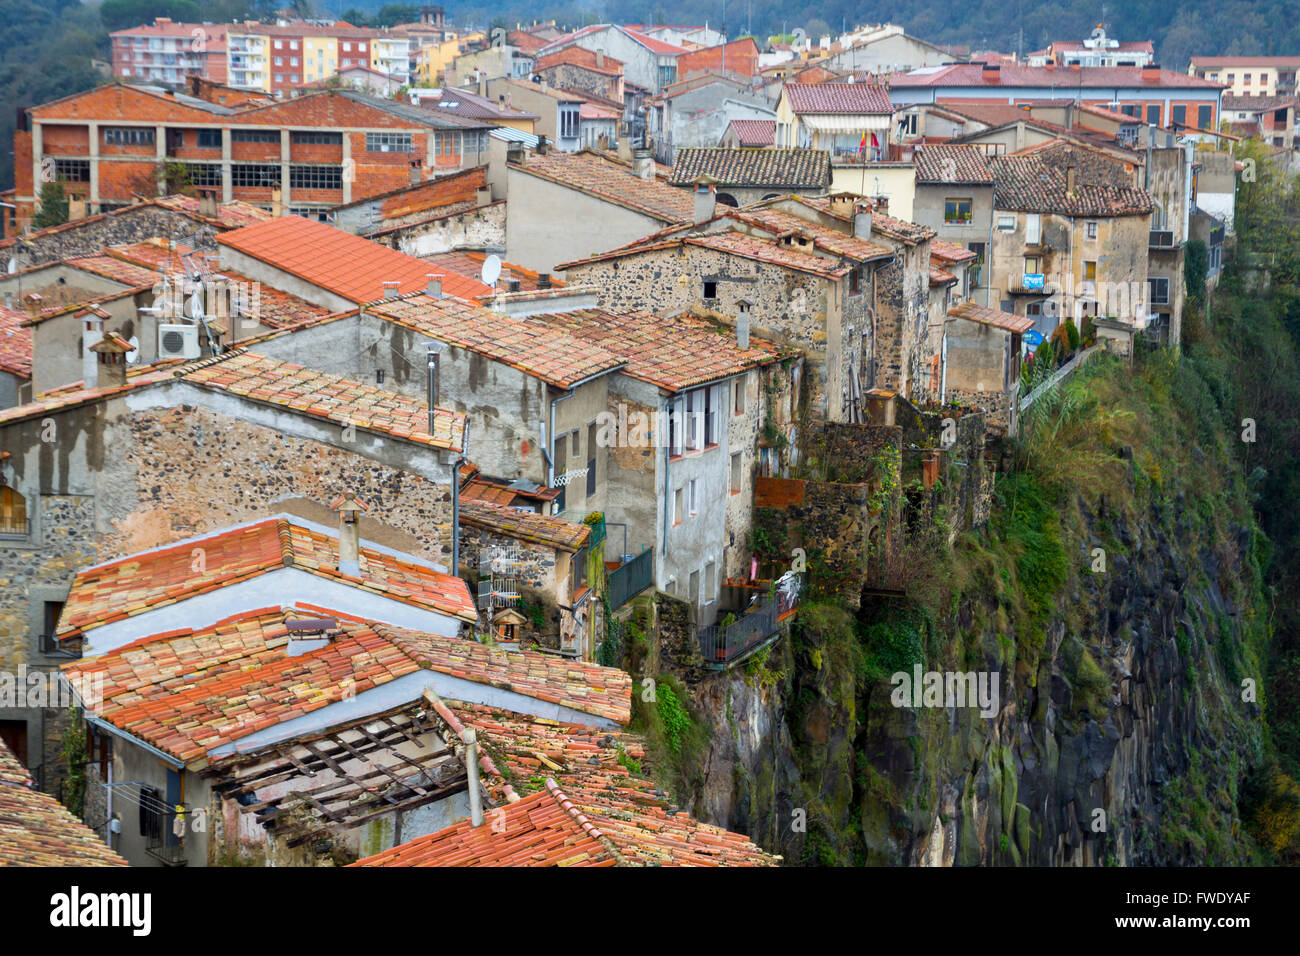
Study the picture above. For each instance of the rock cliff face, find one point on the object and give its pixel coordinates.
(1120, 736)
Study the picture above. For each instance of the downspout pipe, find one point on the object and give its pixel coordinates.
(548, 448)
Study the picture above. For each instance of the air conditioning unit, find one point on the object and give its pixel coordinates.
(178, 341)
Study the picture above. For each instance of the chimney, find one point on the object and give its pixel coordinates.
(706, 198)
(1151, 73)
(512, 285)
(32, 304)
(742, 323)
(208, 203)
(842, 204)
(349, 507)
(110, 352)
(416, 174)
(991, 73)
(600, 59)
(1069, 178)
(277, 206)
(433, 357)
(390, 289)
(543, 147)
(643, 164)
(470, 738)
(543, 280)
(516, 154)
(434, 288)
(92, 330)
(862, 223)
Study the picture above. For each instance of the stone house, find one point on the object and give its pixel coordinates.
(1069, 241)
(700, 408)
(954, 197)
(603, 202)
(648, 62)
(145, 457)
(981, 364)
(807, 277)
(579, 70)
(696, 112)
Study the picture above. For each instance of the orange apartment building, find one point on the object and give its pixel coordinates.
(1148, 93)
(166, 51)
(113, 144)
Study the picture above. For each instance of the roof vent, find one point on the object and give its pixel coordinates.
(543, 280)
(434, 288)
(390, 289)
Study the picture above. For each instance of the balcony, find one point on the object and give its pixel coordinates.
(1161, 239)
(754, 614)
(631, 578)
(1031, 283)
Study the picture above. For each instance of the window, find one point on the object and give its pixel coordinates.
(710, 419)
(255, 175)
(677, 507)
(293, 44)
(1090, 270)
(446, 144)
(1031, 265)
(347, 47)
(209, 138)
(1180, 115)
(956, 210)
(1158, 290)
(1033, 228)
(737, 472)
(322, 214)
(738, 404)
(569, 121)
(388, 142)
(279, 78)
(279, 44)
(279, 61)
(204, 174)
(692, 420)
(1204, 116)
(710, 581)
(118, 136)
(575, 437)
(293, 61)
(1246, 78)
(13, 514)
(667, 75)
(710, 289)
(315, 177)
(1153, 114)
(976, 267)
(694, 592)
(591, 459)
(1232, 77)
(255, 136)
(1090, 229)
(72, 170)
(692, 497)
(907, 124)
(1007, 223)
(1034, 308)
(346, 63)
(316, 138)
(853, 281)
(1130, 109)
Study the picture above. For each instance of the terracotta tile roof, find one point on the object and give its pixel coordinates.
(994, 317)
(754, 132)
(330, 397)
(674, 352)
(15, 343)
(74, 394)
(766, 250)
(1256, 104)
(939, 277)
(578, 827)
(597, 175)
(231, 215)
(186, 692)
(522, 525)
(827, 240)
(471, 264)
(949, 252)
(952, 164)
(578, 56)
(892, 227)
(654, 45)
(1035, 183)
(842, 98)
(766, 168)
(546, 354)
(1057, 78)
(37, 830)
(144, 582)
(347, 265)
(111, 267)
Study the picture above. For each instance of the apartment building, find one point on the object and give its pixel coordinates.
(110, 145)
(1155, 96)
(166, 51)
(1248, 75)
(278, 58)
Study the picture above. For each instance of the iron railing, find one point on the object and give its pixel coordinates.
(723, 644)
(11, 527)
(631, 578)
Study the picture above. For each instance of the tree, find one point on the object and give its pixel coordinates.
(54, 206)
(1196, 266)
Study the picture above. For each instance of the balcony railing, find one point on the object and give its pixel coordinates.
(1161, 239)
(631, 578)
(722, 645)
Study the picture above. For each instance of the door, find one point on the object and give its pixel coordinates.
(13, 733)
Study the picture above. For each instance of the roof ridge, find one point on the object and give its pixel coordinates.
(566, 804)
(283, 530)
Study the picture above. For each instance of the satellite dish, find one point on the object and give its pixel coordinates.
(196, 304)
(134, 354)
(491, 270)
(13, 265)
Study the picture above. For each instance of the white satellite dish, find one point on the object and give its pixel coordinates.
(491, 270)
(134, 354)
(196, 304)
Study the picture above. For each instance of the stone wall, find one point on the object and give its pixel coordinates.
(482, 229)
(89, 237)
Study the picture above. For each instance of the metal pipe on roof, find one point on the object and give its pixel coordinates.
(470, 737)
